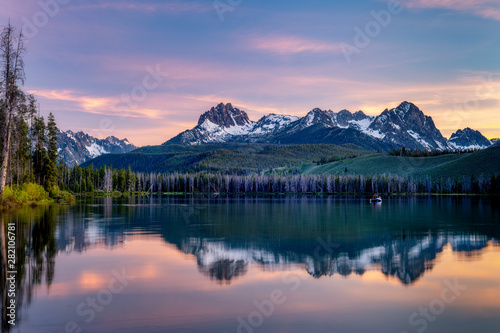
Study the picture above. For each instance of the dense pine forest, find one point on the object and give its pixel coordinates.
(106, 179)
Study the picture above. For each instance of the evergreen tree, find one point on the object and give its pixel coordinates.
(51, 152)
(40, 152)
(21, 164)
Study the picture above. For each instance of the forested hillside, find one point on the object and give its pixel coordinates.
(237, 158)
(483, 162)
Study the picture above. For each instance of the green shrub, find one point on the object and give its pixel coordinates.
(8, 193)
(61, 196)
(35, 192)
(20, 195)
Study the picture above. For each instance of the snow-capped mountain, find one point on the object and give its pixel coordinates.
(407, 126)
(343, 119)
(224, 123)
(403, 126)
(80, 147)
(468, 139)
(271, 124)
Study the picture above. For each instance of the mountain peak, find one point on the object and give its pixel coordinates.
(406, 108)
(406, 104)
(359, 115)
(466, 130)
(318, 116)
(225, 115)
(468, 139)
(345, 113)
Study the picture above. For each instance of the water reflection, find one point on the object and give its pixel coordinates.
(322, 236)
(406, 259)
(35, 255)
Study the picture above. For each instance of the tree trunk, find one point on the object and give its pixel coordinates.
(11, 77)
(5, 152)
(3, 252)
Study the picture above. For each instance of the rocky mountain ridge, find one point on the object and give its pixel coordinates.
(76, 148)
(403, 126)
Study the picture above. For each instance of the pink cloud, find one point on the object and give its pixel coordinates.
(109, 105)
(486, 8)
(291, 45)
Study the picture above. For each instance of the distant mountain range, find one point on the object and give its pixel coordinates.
(80, 147)
(403, 126)
(224, 131)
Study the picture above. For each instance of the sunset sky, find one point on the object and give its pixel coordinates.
(284, 57)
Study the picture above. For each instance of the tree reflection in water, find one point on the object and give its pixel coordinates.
(35, 255)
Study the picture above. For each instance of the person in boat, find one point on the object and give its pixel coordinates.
(374, 196)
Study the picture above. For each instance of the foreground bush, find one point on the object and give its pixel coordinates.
(23, 194)
(34, 192)
(60, 195)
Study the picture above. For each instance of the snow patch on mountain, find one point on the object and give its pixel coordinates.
(271, 124)
(361, 125)
(375, 134)
(95, 150)
(419, 139)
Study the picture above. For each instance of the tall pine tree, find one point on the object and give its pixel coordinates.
(51, 161)
(39, 153)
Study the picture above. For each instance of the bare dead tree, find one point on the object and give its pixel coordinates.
(12, 73)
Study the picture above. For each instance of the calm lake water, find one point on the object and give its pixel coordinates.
(260, 264)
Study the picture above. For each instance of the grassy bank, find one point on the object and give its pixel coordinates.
(114, 194)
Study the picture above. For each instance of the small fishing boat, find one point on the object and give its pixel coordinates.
(376, 200)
